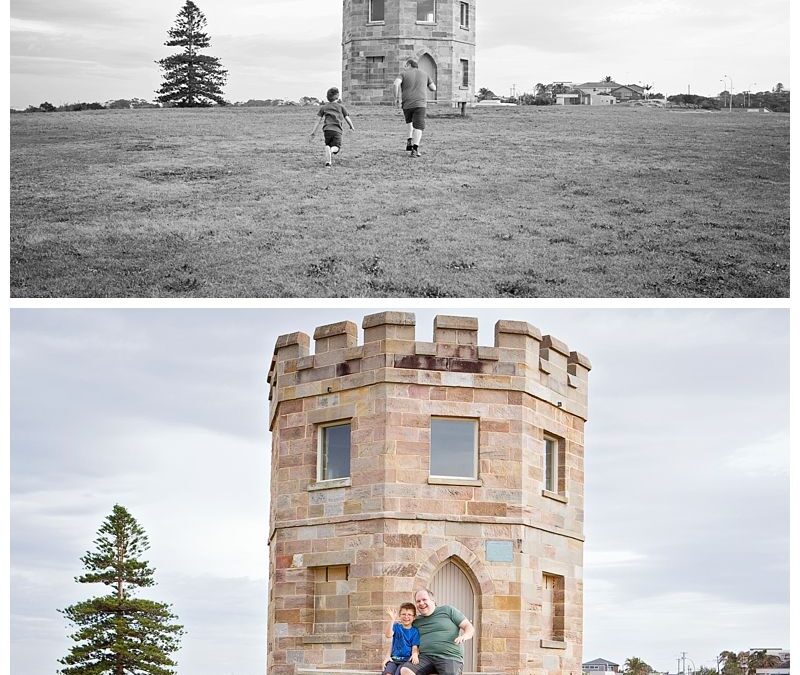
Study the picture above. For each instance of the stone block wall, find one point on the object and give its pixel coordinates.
(342, 550)
(373, 54)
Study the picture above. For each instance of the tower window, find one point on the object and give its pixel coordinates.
(465, 15)
(334, 452)
(331, 600)
(554, 462)
(454, 447)
(376, 70)
(553, 607)
(376, 10)
(426, 11)
(464, 73)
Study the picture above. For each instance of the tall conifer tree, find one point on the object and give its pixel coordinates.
(191, 79)
(117, 633)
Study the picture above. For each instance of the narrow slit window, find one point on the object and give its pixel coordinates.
(553, 607)
(465, 15)
(464, 73)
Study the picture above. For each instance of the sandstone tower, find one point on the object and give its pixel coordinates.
(379, 35)
(399, 464)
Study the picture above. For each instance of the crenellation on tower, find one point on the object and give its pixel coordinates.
(397, 508)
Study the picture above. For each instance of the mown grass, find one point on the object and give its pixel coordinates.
(523, 202)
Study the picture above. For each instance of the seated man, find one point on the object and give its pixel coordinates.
(440, 637)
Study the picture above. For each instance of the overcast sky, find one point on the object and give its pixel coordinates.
(165, 412)
(87, 50)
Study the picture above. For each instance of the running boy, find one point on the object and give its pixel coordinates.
(333, 113)
(405, 638)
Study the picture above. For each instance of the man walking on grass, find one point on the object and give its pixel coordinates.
(440, 637)
(411, 87)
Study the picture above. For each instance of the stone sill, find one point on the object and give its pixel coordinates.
(554, 496)
(376, 23)
(553, 644)
(426, 23)
(449, 480)
(333, 638)
(330, 484)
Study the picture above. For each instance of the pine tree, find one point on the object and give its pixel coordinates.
(191, 79)
(117, 633)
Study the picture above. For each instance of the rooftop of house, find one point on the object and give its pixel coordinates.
(600, 662)
(597, 85)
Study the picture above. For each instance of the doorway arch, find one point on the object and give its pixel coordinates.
(428, 65)
(452, 585)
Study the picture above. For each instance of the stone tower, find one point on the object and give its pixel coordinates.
(378, 36)
(399, 464)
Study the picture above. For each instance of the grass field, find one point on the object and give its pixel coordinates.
(511, 202)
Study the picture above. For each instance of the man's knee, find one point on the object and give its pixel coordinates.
(406, 671)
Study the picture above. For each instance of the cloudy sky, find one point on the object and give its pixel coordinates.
(87, 50)
(165, 412)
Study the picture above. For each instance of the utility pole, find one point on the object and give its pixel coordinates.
(683, 658)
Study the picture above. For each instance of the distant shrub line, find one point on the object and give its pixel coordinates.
(135, 103)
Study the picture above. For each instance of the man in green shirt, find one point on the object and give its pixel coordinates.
(442, 632)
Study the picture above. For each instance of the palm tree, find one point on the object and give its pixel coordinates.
(760, 659)
(635, 666)
(608, 78)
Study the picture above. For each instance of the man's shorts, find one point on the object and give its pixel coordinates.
(392, 668)
(333, 138)
(434, 664)
(415, 116)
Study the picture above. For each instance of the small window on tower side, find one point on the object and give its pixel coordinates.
(426, 11)
(465, 15)
(454, 447)
(376, 10)
(334, 452)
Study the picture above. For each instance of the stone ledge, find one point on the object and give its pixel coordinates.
(330, 484)
(450, 480)
(554, 496)
(333, 638)
(553, 644)
(430, 517)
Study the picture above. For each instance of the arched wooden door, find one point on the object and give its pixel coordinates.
(451, 586)
(428, 65)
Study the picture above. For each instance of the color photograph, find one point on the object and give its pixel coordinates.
(576, 489)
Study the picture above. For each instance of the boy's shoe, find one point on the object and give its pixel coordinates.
(327, 165)
(409, 147)
(415, 153)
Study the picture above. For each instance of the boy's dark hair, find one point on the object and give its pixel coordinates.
(412, 63)
(409, 605)
(333, 94)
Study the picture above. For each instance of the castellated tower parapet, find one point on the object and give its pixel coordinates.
(399, 464)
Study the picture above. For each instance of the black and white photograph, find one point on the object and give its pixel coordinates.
(399, 148)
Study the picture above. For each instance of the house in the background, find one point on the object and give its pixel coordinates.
(600, 666)
(597, 93)
(628, 92)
